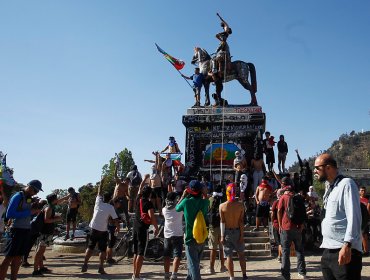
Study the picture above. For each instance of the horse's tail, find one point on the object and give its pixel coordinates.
(252, 71)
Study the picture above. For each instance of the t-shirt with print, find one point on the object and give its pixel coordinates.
(147, 205)
(172, 222)
(286, 223)
(102, 212)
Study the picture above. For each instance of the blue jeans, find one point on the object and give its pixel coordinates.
(286, 238)
(194, 252)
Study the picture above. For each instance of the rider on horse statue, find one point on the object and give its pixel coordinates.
(223, 58)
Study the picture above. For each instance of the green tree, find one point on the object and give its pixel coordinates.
(125, 163)
(88, 192)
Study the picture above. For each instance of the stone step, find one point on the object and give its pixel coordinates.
(257, 246)
(256, 234)
(248, 253)
(257, 240)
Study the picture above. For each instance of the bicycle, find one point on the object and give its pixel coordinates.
(153, 248)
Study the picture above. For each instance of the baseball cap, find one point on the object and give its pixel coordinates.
(36, 184)
(195, 185)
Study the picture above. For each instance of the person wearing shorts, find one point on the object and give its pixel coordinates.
(173, 236)
(232, 242)
(144, 207)
(103, 211)
(74, 202)
(19, 210)
(46, 237)
(232, 230)
(214, 233)
(112, 233)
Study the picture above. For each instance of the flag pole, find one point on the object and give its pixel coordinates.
(186, 80)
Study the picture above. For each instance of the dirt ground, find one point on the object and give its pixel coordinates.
(67, 266)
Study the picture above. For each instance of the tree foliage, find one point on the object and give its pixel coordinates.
(88, 192)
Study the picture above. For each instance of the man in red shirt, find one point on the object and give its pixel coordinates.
(365, 228)
(289, 232)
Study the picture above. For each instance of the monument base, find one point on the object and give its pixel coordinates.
(214, 134)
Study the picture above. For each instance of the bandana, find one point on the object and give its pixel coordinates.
(265, 184)
(230, 192)
(190, 191)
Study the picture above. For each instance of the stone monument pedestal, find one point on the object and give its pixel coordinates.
(213, 134)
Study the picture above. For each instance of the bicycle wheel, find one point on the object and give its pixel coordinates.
(154, 250)
(120, 250)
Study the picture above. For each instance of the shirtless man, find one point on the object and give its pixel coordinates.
(258, 169)
(263, 197)
(166, 174)
(232, 230)
(120, 195)
(156, 185)
(74, 202)
(172, 147)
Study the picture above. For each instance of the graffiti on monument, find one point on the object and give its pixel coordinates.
(226, 129)
(226, 110)
(218, 118)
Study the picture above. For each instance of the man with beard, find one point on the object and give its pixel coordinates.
(341, 227)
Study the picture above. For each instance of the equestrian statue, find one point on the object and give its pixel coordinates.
(220, 69)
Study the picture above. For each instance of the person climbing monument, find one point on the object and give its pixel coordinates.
(197, 78)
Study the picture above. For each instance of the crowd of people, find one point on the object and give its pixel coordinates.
(252, 197)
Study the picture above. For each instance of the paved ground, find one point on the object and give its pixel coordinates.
(67, 266)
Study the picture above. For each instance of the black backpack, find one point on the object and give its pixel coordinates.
(365, 216)
(136, 180)
(214, 213)
(38, 222)
(296, 211)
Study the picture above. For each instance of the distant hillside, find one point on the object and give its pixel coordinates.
(350, 151)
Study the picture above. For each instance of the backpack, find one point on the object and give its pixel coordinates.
(200, 232)
(136, 180)
(214, 214)
(296, 210)
(365, 216)
(38, 222)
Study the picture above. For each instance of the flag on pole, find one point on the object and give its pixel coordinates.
(177, 63)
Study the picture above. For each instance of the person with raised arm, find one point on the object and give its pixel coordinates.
(103, 210)
(144, 217)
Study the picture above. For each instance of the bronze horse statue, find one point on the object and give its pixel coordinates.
(239, 70)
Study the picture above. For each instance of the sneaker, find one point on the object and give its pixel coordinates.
(245, 277)
(101, 270)
(173, 277)
(66, 237)
(37, 273)
(25, 264)
(44, 269)
(279, 259)
(84, 268)
(166, 277)
(210, 270)
(110, 261)
(72, 236)
(265, 230)
(366, 254)
(223, 269)
(302, 276)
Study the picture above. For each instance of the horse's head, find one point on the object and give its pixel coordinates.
(200, 55)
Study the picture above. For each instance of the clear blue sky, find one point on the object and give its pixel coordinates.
(81, 80)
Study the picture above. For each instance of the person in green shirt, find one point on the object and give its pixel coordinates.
(190, 203)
